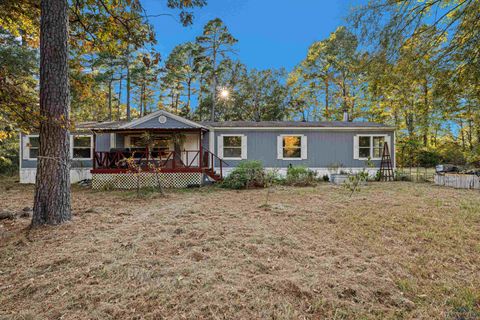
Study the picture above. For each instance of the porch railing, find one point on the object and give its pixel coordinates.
(144, 158)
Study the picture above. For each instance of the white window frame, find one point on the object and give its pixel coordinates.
(371, 136)
(220, 148)
(113, 140)
(72, 146)
(26, 148)
(303, 147)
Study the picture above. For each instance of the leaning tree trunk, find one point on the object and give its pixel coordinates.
(52, 186)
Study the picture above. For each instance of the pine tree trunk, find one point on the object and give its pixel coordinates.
(327, 97)
(119, 96)
(128, 87)
(110, 99)
(470, 134)
(144, 97)
(344, 95)
(52, 186)
(214, 92)
(426, 112)
(141, 101)
(189, 96)
(214, 83)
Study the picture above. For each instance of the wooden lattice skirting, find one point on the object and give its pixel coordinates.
(146, 180)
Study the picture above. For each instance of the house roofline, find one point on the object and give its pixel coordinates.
(138, 121)
(307, 128)
(136, 130)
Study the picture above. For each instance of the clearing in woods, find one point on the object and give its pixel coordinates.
(393, 250)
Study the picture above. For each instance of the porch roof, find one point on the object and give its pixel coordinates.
(161, 121)
(294, 124)
(98, 125)
(117, 126)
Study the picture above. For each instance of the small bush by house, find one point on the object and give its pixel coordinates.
(248, 174)
(300, 176)
(9, 155)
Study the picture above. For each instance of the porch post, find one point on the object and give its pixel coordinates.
(94, 151)
(200, 149)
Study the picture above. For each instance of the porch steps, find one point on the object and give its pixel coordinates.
(213, 174)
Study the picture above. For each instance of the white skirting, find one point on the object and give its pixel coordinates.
(320, 171)
(27, 175)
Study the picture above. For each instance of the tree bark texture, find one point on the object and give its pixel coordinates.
(52, 188)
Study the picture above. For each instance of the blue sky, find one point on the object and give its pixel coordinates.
(271, 33)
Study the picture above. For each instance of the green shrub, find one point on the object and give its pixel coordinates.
(451, 152)
(428, 158)
(9, 155)
(300, 176)
(248, 174)
(6, 165)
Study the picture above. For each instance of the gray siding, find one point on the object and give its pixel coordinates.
(325, 147)
(206, 141)
(102, 142)
(170, 124)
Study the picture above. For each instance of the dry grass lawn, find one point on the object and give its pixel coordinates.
(391, 251)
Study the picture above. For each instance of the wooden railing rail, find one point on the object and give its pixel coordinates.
(201, 159)
(164, 159)
(211, 165)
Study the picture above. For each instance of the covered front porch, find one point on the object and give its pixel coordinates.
(180, 150)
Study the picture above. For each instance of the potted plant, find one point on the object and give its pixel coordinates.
(337, 174)
(340, 177)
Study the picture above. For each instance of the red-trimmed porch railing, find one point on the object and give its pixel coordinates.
(167, 161)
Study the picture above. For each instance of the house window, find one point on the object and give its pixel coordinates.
(364, 147)
(163, 143)
(370, 147)
(136, 141)
(81, 147)
(232, 147)
(292, 147)
(378, 143)
(33, 146)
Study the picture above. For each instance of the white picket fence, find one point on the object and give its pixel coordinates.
(460, 181)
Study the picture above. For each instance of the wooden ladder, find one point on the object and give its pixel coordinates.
(386, 168)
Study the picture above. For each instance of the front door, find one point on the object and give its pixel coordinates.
(191, 150)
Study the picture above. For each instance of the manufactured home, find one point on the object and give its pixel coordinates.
(183, 152)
